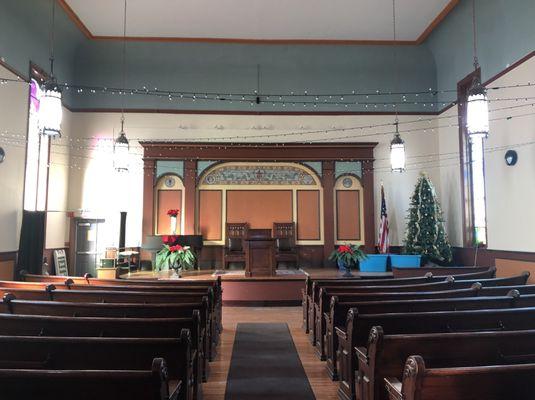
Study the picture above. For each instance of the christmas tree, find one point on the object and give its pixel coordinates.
(425, 233)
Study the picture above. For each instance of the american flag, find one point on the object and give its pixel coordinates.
(383, 226)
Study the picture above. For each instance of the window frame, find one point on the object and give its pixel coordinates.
(466, 167)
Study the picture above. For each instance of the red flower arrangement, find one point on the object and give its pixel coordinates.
(173, 213)
(173, 255)
(175, 248)
(345, 249)
(170, 240)
(347, 256)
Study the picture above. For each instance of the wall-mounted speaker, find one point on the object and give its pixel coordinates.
(511, 157)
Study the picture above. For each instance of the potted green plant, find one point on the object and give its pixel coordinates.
(347, 256)
(174, 256)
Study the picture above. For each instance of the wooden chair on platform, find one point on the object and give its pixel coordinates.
(234, 250)
(285, 248)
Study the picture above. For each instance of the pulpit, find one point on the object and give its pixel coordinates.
(259, 253)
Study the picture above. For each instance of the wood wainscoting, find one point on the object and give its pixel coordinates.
(310, 256)
(508, 263)
(8, 261)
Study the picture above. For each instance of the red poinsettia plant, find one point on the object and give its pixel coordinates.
(173, 213)
(348, 254)
(174, 256)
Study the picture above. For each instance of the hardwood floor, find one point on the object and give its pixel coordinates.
(214, 389)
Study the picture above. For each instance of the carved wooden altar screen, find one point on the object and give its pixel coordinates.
(326, 190)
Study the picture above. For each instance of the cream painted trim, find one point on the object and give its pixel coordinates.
(293, 188)
(356, 185)
(160, 185)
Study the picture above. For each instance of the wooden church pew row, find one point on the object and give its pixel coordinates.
(207, 291)
(345, 300)
(349, 298)
(39, 325)
(385, 355)
(150, 384)
(428, 277)
(321, 304)
(71, 353)
(339, 311)
(359, 325)
(10, 305)
(440, 271)
(68, 284)
(489, 382)
(99, 296)
(89, 280)
(448, 284)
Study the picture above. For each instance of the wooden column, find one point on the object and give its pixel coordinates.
(190, 178)
(149, 171)
(369, 206)
(327, 181)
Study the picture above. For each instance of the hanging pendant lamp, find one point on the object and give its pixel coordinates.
(477, 104)
(121, 150)
(50, 107)
(397, 152)
(397, 145)
(121, 146)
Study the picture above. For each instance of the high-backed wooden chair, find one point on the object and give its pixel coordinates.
(234, 247)
(285, 248)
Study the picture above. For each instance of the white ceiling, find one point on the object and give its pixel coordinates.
(260, 19)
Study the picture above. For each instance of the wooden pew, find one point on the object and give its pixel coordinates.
(447, 283)
(67, 285)
(442, 271)
(358, 327)
(150, 384)
(73, 353)
(120, 285)
(495, 382)
(312, 285)
(342, 298)
(87, 279)
(338, 312)
(323, 298)
(385, 355)
(38, 325)
(50, 293)
(10, 305)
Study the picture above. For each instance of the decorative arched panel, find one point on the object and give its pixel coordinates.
(168, 194)
(260, 193)
(349, 210)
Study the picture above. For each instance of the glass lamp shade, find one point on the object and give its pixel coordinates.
(121, 153)
(397, 154)
(50, 110)
(477, 112)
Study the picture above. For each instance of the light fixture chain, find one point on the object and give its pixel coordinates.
(474, 34)
(124, 60)
(52, 37)
(396, 77)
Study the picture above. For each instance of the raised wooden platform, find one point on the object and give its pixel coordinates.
(239, 290)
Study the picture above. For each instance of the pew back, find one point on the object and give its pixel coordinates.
(501, 382)
(74, 353)
(150, 384)
(385, 355)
